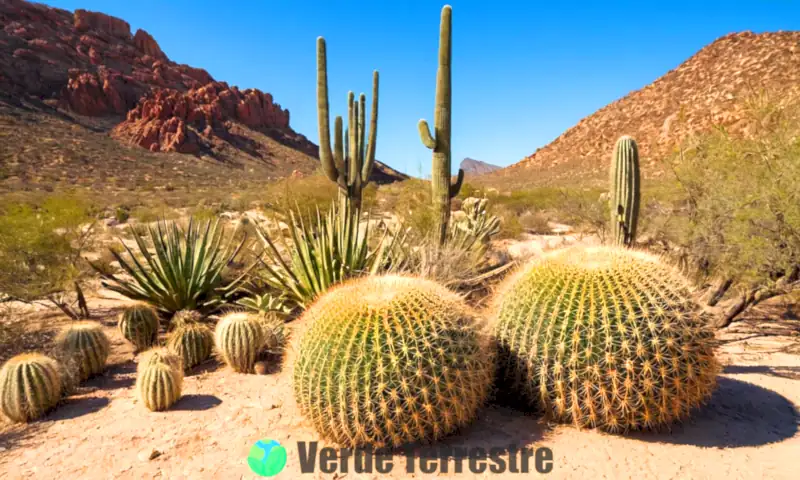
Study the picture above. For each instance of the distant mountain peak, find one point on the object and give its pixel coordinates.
(477, 167)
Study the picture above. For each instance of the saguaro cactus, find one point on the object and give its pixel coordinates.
(439, 141)
(625, 194)
(350, 162)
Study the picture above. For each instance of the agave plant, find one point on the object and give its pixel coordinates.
(265, 303)
(184, 271)
(330, 248)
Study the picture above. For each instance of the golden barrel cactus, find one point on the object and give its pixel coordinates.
(30, 385)
(138, 324)
(87, 344)
(159, 378)
(390, 360)
(193, 342)
(605, 337)
(239, 338)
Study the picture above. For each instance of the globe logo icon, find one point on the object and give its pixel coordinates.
(267, 458)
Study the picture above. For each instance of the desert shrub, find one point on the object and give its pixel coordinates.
(182, 270)
(122, 214)
(40, 250)
(301, 196)
(742, 202)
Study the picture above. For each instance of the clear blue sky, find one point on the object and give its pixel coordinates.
(523, 71)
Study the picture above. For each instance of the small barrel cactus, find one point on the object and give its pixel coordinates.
(30, 385)
(389, 360)
(138, 324)
(239, 339)
(159, 378)
(192, 342)
(605, 337)
(87, 343)
(182, 317)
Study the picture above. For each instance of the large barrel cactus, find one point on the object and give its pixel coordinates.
(138, 324)
(239, 338)
(390, 360)
(87, 344)
(192, 342)
(159, 378)
(30, 385)
(605, 337)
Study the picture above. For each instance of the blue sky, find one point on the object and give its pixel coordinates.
(523, 72)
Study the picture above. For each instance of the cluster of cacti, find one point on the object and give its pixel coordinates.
(30, 385)
(239, 339)
(625, 195)
(192, 342)
(138, 324)
(605, 337)
(350, 162)
(439, 141)
(389, 360)
(159, 378)
(87, 343)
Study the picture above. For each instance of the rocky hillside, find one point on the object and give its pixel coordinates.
(88, 69)
(474, 167)
(709, 89)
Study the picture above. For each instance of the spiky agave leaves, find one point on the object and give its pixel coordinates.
(389, 360)
(191, 341)
(159, 379)
(184, 271)
(239, 339)
(605, 337)
(138, 324)
(30, 385)
(87, 344)
(326, 251)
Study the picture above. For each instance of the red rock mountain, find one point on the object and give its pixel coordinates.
(90, 64)
(708, 89)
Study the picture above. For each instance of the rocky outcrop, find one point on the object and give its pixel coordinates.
(168, 120)
(707, 90)
(89, 62)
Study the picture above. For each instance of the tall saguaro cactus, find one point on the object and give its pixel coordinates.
(439, 142)
(625, 194)
(350, 162)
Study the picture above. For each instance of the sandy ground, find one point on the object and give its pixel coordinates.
(749, 430)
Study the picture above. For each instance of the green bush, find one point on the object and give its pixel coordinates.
(41, 246)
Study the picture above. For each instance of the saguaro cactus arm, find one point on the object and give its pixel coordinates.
(323, 119)
(425, 135)
(456, 187)
(369, 161)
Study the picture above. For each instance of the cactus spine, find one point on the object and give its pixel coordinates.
(239, 339)
(625, 194)
(192, 342)
(87, 344)
(389, 360)
(439, 141)
(138, 324)
(605, 337)
(350, 162)
(30, 385)
(159, 378)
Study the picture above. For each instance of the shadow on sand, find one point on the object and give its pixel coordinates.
(739, 414)
(792, 373)
(196, 402)
(75, 407)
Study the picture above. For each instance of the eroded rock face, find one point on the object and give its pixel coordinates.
(168, 120)
(88, 61)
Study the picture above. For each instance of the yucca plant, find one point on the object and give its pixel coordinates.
(325, 251)
(184, 270)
